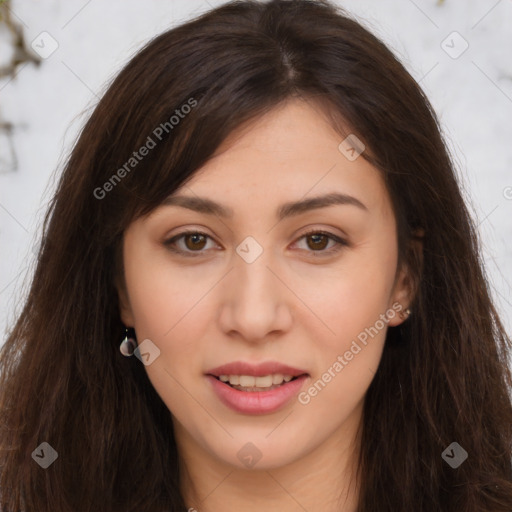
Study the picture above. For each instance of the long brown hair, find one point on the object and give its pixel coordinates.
(444, 375)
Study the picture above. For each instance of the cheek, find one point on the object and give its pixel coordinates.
(352, 306)
(353, 297)
(349, 350)
(170, 308)
(173, 316)
(161, 297)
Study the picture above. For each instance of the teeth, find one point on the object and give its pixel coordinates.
(278, 378)
(248, 381)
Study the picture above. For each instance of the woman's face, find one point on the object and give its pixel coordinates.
(251, 287)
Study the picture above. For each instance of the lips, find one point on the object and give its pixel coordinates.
(256, 370)
(254, 400)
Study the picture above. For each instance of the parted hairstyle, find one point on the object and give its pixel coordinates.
(444, 375)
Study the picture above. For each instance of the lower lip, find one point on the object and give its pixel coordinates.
(256, 402)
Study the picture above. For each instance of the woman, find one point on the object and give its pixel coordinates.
(258, 288)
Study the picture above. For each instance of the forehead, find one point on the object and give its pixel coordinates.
(291, 152)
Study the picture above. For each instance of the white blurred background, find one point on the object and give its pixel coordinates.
(83, 43)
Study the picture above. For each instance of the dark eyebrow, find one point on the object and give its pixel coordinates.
(209, 207)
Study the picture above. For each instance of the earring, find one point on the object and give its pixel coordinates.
(405, 314)
(128, 345)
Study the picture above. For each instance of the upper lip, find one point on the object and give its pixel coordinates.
(256, 370)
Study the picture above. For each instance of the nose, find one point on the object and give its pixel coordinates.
(255, 302)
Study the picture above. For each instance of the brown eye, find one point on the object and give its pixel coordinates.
(195, 241)
(188, 243)
(318, 241)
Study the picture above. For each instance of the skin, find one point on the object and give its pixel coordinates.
(291, 304)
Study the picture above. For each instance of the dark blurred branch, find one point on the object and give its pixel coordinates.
(20, 55)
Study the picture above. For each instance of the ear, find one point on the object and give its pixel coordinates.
(407, 279)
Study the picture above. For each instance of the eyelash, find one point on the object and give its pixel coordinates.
(339, 241)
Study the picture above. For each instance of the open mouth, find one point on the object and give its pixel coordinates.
(256, 384)
(248, 394)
